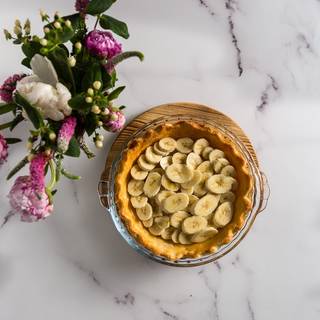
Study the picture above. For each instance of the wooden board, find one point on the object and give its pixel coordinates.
(181, 108)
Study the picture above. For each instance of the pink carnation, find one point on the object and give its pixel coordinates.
(66, 133)
(115, 120)
(37, 171)
(3, 149)
(6, 90)
(102, 44)
(81, 6)
(26, 200)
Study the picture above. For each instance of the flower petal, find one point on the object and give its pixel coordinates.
(44, 69)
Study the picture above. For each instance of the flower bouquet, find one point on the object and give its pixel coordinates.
(68, 95)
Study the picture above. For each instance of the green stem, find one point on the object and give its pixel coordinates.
(123, 56)
(96, 24)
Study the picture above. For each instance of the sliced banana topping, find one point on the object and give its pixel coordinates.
(176, 202)
(151, 156)
(167, 144)
(144, 213)
(139, 201)
(182, 190)
(179, 173)
(177, 218)
(199, 145)
(137, 173)
(194, 224)
(168, 184)
(219, 184)
(135, 187)
(179, 157)
(205, 152)
(223, 215)
(229, 171)
(215, 154)
(158, 151)
(144, 164)
(193, 160)
(219, 164)
(165, 162)
(206, 205)
(152, 185)
(184, 145)
(204, 235)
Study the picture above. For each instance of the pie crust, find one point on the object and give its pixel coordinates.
(194, 130)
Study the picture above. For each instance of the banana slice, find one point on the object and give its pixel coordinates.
(144, 213)
(193, 160)
(183, 238)
(137, 173)
(219, 164)
(223, 215)
(192, 200)
(168, 184)
(199, 145)
(151, 156)
(177, 218)
(205, 152)
(200, 188)
(162, 222)
(228, 196)
(167, 144)
(135, 187)
(144, 164)
(229, 171)
(175, 236)
(139, 201)
(158, 151)
(215, 154)
(193, 224)
(165, 162)
(155, 230)
(176, 202)
(204, 235)
(158, 170)
(206, 205)
(148, 223)
(219, 183)
(157, 212)
(162, 195)
(167, 233)
(152, 184)
(179, 173)
(188, 191)
(179, 157)
(184, 145)
(205, 167)
(196, 178)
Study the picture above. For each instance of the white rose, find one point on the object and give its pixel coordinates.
(44, 91)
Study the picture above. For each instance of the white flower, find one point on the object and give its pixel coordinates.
(44, 91)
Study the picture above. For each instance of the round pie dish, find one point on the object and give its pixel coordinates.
(251, 194)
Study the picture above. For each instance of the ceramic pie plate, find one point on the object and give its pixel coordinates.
(172, 113)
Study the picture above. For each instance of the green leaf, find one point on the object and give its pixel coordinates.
(99, 6)
(59, 59)
(78, 102)
(69, 175)
(74, 148)
(117, 26)
(18, 167)
(115, 93)
(26, 62)
(123, 56)
(75, 20)
(90, 124)
(65, 34)
(5, 108)
(5, 125)
(33, 114)
(19, 118)
(31, 48)
(92, 74)
(13, 140)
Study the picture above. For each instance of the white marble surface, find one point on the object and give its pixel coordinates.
(257, 61)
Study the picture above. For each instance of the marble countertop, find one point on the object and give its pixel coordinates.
(257, 61)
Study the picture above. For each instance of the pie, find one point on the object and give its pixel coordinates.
(183, 189)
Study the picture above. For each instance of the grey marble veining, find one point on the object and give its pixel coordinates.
(257, 61)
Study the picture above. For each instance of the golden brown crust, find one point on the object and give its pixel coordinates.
(194, 130)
